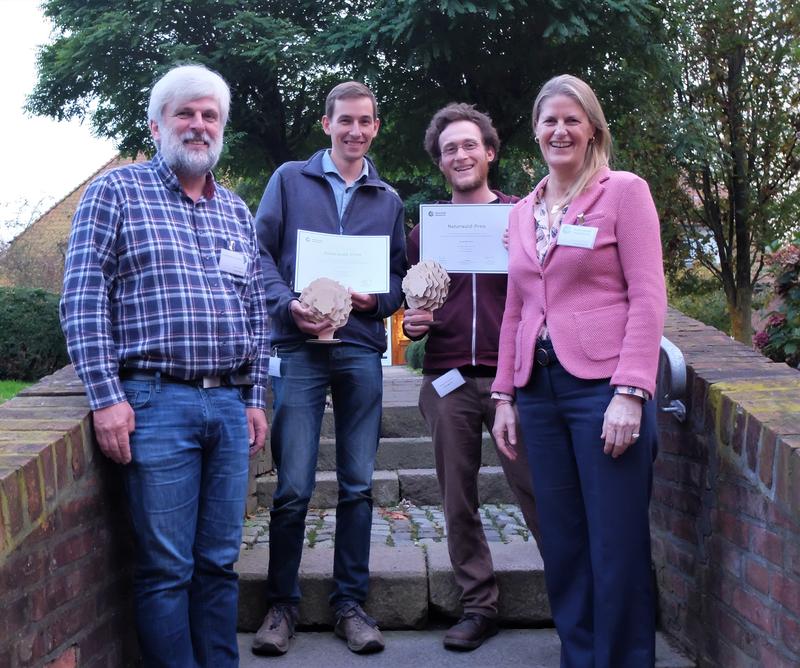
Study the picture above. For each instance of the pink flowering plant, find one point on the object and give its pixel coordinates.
(780, 338)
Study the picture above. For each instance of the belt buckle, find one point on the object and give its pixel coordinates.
(210, 382)
(542, 357)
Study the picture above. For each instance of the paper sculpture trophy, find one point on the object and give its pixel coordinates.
(327, 299)
(426, 285)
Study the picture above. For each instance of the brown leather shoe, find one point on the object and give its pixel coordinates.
(359, 629)
(272, 637)
(469, 632)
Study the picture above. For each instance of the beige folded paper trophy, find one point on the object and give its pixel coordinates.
(327, 299)
(425, 286)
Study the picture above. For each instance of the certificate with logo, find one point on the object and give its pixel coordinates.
(360, 263)
(465, 238)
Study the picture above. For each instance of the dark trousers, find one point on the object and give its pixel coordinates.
(456, 423)
(594, 521)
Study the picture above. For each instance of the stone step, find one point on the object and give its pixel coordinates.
(403, 452)
(511, 648)
(408, 584)
(396, 421)
(389, 487)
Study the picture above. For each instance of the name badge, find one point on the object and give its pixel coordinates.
(448, 382)
(275, 366)
(232, 262)
(578, 236)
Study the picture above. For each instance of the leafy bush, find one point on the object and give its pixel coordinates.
(31, 342)
(415, 351)
(700, 297)
(780, 339)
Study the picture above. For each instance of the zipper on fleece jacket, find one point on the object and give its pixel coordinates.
(474, 319)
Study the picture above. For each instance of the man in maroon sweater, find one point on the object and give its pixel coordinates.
(463, 144)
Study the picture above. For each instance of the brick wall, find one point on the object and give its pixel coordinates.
(726, 506)
(64, 545)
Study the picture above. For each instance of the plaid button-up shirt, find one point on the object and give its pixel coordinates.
(144, 288)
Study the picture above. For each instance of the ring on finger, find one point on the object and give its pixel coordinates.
(634, 436)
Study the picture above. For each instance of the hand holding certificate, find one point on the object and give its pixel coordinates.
(360, 263)
(465, 238)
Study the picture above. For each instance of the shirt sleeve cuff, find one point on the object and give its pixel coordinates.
(105, 393)
(255, 397)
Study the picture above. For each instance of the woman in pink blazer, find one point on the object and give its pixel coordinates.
(578, 355)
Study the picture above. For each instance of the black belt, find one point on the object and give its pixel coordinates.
(206, 382)
(543, 353)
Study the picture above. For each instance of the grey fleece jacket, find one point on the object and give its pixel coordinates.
(297, 196)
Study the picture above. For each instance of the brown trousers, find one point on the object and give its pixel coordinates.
(456, 424)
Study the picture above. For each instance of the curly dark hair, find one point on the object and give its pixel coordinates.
(459, 111)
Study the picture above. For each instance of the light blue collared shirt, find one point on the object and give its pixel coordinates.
(341, 191)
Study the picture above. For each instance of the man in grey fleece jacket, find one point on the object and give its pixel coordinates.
(336, 191)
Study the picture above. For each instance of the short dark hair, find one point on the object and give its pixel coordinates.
(349, 90)
(459, 111)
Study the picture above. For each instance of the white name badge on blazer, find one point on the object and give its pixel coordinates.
(578, 236)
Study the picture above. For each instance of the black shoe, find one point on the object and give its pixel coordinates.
(469, 632)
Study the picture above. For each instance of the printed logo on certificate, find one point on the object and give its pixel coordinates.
(465, 238)
(358, 262)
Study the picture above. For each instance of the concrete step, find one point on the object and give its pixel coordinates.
(511, 648)
(389, 487)
(403, 452)
(408, 584)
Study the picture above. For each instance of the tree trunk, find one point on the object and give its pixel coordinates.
(741, 312)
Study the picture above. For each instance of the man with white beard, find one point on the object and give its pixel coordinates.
(164, 314)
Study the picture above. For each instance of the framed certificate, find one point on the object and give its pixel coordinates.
(465, 238)
(358, 262)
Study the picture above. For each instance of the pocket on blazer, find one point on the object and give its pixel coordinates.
(601, 330)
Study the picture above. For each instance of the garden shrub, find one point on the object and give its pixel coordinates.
(415, 351)
(31, 342)
(780, 339)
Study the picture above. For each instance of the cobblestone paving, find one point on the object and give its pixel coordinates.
(404, 524)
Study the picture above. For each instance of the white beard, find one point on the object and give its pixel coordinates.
(189, 162)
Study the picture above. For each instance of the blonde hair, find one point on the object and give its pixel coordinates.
(598, 151)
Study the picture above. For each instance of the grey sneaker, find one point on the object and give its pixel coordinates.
(272, 638)
(359, 630)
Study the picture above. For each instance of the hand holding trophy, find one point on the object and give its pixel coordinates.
(326, 300)
(425, 287)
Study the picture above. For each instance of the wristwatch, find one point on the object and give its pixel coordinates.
(632, 391)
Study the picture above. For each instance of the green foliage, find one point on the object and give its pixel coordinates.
(699, 297)
(732, 148)
(415, 352)
(780, 339)
(10, 388)
(282, 56)
(31, 342)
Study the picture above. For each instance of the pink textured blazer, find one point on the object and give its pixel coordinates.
(604, 306)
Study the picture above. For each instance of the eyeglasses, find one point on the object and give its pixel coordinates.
(469, 146)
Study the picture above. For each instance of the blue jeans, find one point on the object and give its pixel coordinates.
(186, 487)
(354, 375)
(594, 520)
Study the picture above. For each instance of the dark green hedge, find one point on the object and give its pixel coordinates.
(31, 342)
(415, 351)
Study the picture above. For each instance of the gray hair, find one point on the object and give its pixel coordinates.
(186, 83)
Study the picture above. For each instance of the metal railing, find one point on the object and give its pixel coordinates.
(671, 382)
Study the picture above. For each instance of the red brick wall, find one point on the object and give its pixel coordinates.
(726, 506)
(65, 595)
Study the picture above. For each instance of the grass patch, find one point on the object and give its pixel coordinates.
(10, 388)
